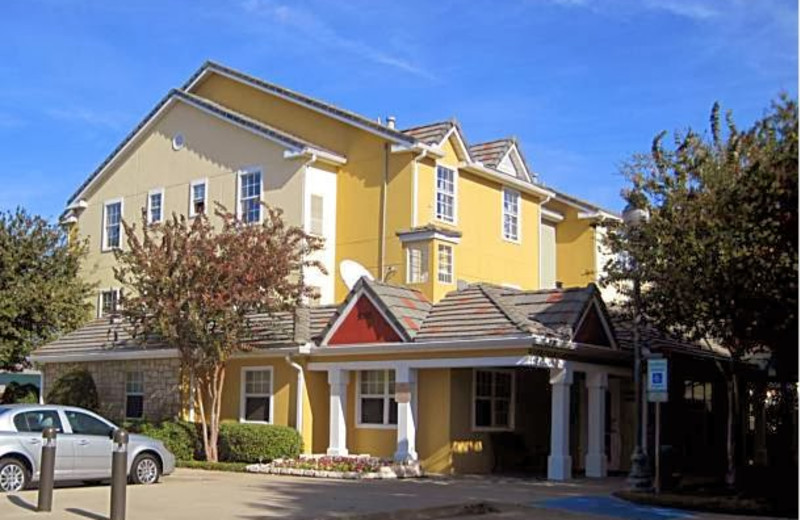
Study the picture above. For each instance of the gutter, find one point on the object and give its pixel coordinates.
(301, 384)
(523, 186)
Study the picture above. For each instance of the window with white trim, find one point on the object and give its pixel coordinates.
(445, 271)
(376, 403)
(134, 394)
(155, 206)
(510, 215)
(198, 193)
(250, 196)
(112, 225)
(256, 405)
(417, 263)
(445, 194)
(109, 302)
(493, 399)
(315, 226)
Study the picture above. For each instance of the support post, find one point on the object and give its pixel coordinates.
(47, 470)
(596, 460)
(559, 463)
(119, 474)
(760, 437)
(338, 379)
(405, 382)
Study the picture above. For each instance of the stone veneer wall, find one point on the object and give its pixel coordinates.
(162, 389)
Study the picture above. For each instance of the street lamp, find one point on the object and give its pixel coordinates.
(639, 477)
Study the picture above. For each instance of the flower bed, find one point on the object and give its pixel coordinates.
(350, 467)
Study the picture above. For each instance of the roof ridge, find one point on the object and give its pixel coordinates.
(442, 122)
(499, 140)
(517, 319)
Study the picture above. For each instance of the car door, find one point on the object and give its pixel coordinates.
(90, 437)
(30, 424)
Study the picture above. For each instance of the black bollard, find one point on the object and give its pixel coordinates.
(119, 474)
(47, 469)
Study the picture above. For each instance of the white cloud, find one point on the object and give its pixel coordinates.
(687, 9)
(312, 27)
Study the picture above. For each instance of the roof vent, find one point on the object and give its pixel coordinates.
(391, 122)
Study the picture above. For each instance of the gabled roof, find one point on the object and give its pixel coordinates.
(431, 134)
(290, 141)
(211, 67)
(493, 153)
(405, 308)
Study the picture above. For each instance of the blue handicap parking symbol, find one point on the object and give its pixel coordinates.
(657, 378)
(613, 507)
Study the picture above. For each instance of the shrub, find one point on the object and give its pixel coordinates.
(16, 393)
(75, 388)
(241, 442)
(180, 437)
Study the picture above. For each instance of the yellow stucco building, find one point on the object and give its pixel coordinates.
(482, 315)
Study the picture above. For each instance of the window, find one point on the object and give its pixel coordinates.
(37, 421)
(445, 263)
(84, 424)
(315, 224)
(155, 206)
(376, 404)
(493, 392)
(134, 395)
(510, 215)
(698, 394)
(109, 302)
(250, 196)
(445, 194)
(417, 264)
(197, 197)
(256, 405)
(112, 225)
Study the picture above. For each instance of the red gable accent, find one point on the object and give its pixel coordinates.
(363, 324)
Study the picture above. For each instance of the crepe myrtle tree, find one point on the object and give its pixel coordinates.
(41, 293)
(193, 284)
(718, 256)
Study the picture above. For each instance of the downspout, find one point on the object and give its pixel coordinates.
(384, 188)
(301, 384)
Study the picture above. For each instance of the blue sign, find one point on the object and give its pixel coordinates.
(657, 380)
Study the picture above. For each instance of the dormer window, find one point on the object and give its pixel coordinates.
(198, 194)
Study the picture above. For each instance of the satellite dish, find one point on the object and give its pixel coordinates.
(351, 272)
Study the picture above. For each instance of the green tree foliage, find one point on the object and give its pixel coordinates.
(20, 393)
(75, 388)
(41, 294)
(194, 285)
(718, 257)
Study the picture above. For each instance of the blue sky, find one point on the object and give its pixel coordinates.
(582, 84)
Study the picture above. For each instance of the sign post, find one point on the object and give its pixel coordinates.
(658, 392)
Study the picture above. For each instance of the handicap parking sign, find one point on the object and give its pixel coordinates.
(657, 387)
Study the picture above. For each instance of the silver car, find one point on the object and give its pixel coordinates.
(83, 447)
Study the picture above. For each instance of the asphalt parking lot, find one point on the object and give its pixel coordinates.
(199, 495)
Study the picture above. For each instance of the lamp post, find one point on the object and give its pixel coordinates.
(639, 477)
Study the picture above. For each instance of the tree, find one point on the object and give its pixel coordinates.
(41, 294)
(194, 286)
(718, 257)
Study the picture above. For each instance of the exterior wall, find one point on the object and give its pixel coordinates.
(162, 389)
(214, 150)
(321, 181)
(284, 389)
(576, 249)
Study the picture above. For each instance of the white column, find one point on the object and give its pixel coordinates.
(596, 463)
(405, 392)
(559, 463)
(338, 379)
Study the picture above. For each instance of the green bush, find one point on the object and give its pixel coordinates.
(180, 437)
(74, 388)
(242, 442)
(16, 393)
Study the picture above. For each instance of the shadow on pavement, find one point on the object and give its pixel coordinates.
(19, 502)
(86, 514)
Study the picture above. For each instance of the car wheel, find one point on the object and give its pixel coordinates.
(14, 476)
(146, 469)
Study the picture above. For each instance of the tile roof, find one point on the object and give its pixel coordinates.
(492, 152)
(655, 339)
(559, 310)
(431, 134)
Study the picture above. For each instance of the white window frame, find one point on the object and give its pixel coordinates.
(100, 300)
(518, 195)
(511, 404)
(425, 262)
(239, 200)
(128, 393)
(387, 398)
(194, 183)
(443, 218)
(439, 264)
(243, 395)
(104, 232)
(157, 191)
